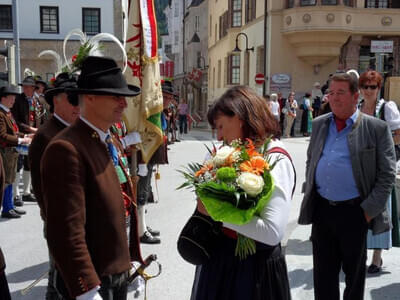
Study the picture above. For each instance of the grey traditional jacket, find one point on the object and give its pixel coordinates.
(373, 162)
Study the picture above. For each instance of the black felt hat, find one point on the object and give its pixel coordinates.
(28, 80)
(38, 79)
(167, 87)
(102, 76)
(9, 90)
(64, 81)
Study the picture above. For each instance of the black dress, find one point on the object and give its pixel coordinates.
(260, 276)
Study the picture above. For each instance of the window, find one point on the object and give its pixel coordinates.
(290, 4)
(176, 38)
(49, 19)
(381, 4)
(234, 69)
(176, 11)
(219, 74)
(329, 2)
(196, 24)
(6, 18)
(210, 26)
(215, 35)
(236, 13)
(91, 20)
(223, 24)
(260, 60)
(348, 3)
(168, 49)
(307, 2)
(250, 10)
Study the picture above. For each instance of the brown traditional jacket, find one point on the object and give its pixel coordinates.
(2, 261)
(85, 216)
(36, 149)
(8, 140)
(7, 134)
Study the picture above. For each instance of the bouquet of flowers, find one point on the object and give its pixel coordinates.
(234, 185)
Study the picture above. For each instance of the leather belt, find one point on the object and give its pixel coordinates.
(351, 202)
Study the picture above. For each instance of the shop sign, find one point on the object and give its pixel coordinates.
(280, 82)
(381, 46)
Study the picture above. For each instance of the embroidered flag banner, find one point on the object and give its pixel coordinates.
(143, 113)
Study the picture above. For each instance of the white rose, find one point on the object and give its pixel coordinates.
(221, 155)
(252, 184)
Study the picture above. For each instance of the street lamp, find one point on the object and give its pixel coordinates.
(200, 59)
(237, 49)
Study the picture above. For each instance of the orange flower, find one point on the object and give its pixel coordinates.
(255, 165)
(251, 149)
(229, 161)
(204, 169)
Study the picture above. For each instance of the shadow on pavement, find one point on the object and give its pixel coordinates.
(300, 277)
(390, 291)
(37, 292)
(298, 247)
(28, 274)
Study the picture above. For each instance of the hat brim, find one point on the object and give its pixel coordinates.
(27, 84)
(129, 91)
(50, 93)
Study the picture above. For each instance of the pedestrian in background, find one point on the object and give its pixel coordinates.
(370, 83)
(274, 106)
(306, 116)
(183, 111)
(282, 109)
(291, 112)
(316, 99)
(350, 173)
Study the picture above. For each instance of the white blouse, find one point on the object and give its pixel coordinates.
(392, 114)
(269, 228)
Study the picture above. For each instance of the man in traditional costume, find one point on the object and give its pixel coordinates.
(82, 196)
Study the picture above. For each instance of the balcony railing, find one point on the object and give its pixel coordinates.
(296, 3)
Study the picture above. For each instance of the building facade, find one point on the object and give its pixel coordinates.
(306, 40)
(43, 25)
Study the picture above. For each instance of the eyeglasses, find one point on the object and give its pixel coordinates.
(372, 87)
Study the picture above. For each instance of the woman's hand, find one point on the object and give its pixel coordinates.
(201, 208)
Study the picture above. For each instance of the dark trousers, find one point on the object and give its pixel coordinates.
(339, 236)
(144, 186)
(182, 124)
(4, 290)
(113, 287)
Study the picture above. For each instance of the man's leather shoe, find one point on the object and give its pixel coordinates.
(18, 201)
(147, 238)
(11, 214)
(19, 211)
(153, 232)
(28, 198)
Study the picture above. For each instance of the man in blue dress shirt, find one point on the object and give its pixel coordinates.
(350, 172)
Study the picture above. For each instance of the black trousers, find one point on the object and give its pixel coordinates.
(339, 235)
(4, 290)
(113, 287)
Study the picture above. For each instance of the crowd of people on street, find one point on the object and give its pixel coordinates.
(69, 144)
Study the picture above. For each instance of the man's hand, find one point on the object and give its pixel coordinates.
(93, 294)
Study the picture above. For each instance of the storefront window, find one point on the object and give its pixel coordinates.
(377, 3)
(307, 2)
(348, 2)
(329, 2)
(290, 4)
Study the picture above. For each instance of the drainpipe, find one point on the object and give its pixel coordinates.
(265, 47)
(16, 40)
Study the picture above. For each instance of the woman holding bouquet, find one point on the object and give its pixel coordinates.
(241, 114)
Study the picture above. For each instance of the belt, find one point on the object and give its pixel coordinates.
(350, 202)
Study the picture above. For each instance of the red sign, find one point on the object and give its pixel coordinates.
(259, 78)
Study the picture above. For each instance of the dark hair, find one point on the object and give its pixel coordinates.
(243, 102)
(370, 76)
(307, 95)
(344, 77)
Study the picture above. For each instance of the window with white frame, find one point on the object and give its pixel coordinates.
(234, 69)
(236, 13)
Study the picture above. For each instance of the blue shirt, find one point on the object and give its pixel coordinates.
(334, 174)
